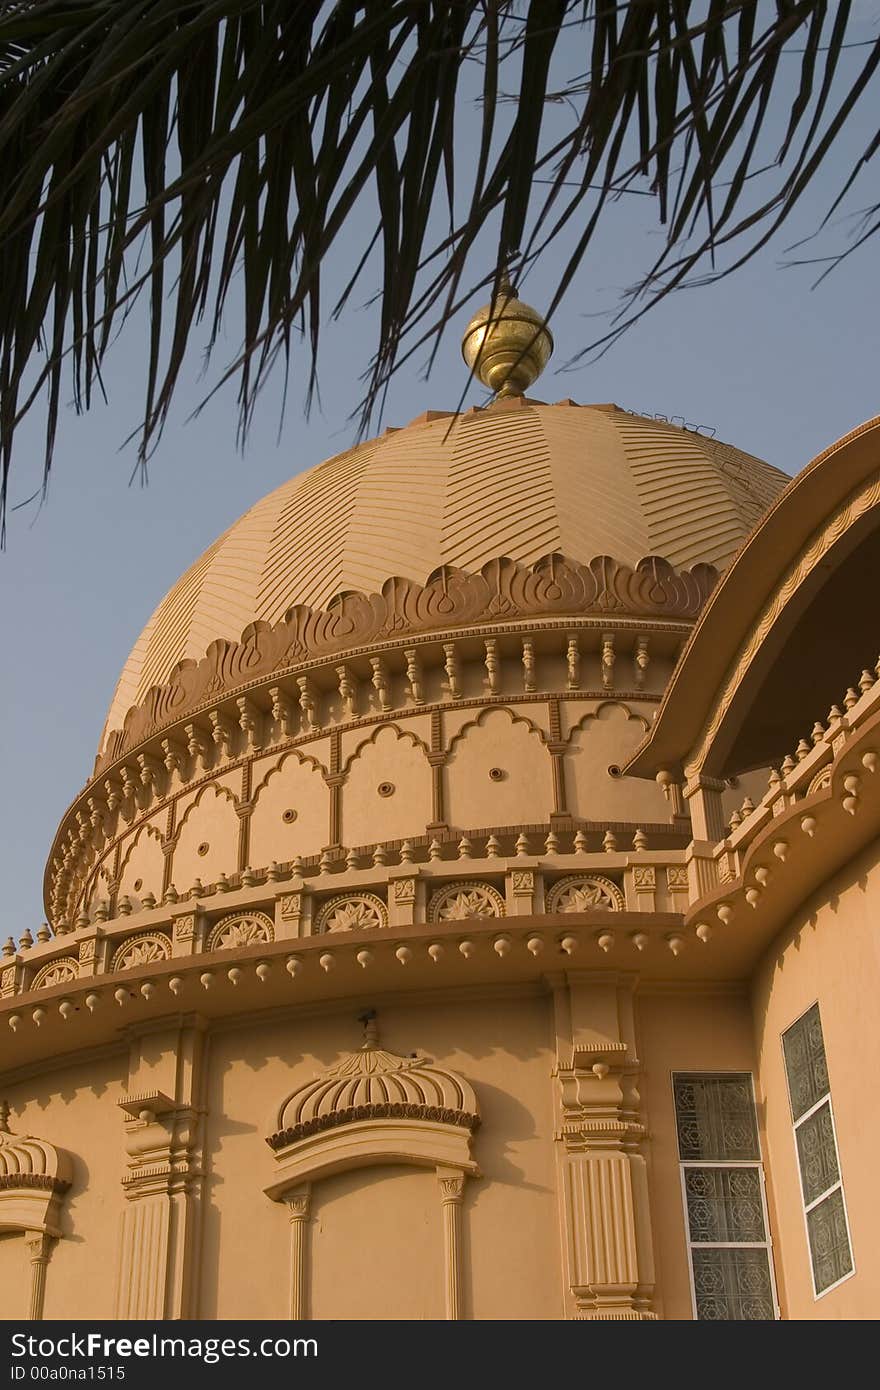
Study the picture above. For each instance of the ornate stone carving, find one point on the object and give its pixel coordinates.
(352, 912)
(821, 780)
(645, 877)
(459, 901)
(523, 881)
(143, 949)
(290, 905)
(553, 586)
(34, 1176)
(185, 927)
(385, 1085)
(584, 893)
(57, 972)
(240, 929)
(677, 877)
(405, 890)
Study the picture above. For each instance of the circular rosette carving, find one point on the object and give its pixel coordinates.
(821, 780)
(584, 893)
(240, 929)
(352, 912)
(143, 949)
(459, 902)
(57, 972)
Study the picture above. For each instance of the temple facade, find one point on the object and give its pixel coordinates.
(470, 914)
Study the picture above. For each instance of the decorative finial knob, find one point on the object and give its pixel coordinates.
(507, 343)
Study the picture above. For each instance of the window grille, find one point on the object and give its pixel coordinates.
(722, 1182)
(809, 1094)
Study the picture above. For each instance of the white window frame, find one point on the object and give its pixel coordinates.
(758, 1163)
(795, 1126)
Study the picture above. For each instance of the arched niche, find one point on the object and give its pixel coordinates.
(374, 1108)
(34, 1177)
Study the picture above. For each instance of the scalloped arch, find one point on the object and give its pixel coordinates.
(217, 788)
(480, 719)
(301, 757)
(595, 714)
(373, 736)
(149, 831)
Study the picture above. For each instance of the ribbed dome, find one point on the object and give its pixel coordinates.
(28, 1162)
(519, 478)
(371, 1084)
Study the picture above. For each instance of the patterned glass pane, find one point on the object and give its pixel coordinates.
(805, 1065)
(724, 1204)
(715, 1116)
(732, 1285)
(829, 1241)
(817, 1153)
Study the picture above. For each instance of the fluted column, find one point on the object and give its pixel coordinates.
(298, 1208)
(39, 1245)
(451, 1195)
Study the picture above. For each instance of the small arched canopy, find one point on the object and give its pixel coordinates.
(785, 631)
(34, 1177)
(374, 1107)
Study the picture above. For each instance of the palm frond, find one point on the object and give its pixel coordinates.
(177, 148)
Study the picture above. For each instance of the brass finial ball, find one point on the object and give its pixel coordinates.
(507, 344)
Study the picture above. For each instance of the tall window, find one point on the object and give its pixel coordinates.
(723, 1187)
(809, 1095)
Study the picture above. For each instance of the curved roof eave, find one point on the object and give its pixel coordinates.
(742, 590)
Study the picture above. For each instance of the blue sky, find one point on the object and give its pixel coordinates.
(774, 367)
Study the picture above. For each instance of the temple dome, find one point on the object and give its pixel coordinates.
(520, 479)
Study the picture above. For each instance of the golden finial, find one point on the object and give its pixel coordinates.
(507, 344)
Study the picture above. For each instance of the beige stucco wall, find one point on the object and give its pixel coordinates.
(830, 953)
(391, 1216)
(74, 1108)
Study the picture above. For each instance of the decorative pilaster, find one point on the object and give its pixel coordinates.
(437, 762)
(298, 1209)
(451, 1197)
(603, 1181)
(39, 1246)
(164, 1138)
